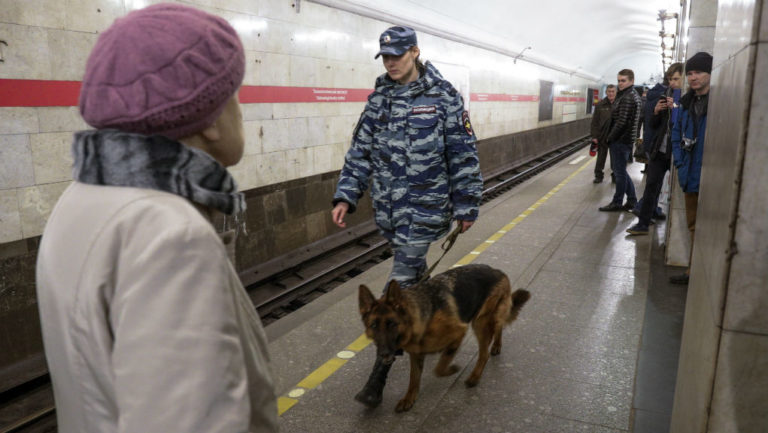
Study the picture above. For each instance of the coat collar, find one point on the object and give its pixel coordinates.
(427, 80)
(117, 158)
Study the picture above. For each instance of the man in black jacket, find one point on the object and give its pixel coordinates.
(621, 138)
(658, 124)
(601, 121)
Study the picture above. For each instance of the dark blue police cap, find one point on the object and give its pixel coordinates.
(396, 40)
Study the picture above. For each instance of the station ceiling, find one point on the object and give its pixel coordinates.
(595, 37)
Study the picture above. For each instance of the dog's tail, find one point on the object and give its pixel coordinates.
(519, 298)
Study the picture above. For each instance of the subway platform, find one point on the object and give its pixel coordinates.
(594, 350)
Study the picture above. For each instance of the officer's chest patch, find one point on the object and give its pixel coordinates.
(424, 109)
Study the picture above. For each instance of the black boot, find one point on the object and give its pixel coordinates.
(371, 393)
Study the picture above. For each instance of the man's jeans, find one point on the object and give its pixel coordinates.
(620, 154)
(654, 179)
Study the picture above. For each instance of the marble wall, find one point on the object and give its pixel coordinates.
(723, 373)
(320, 46)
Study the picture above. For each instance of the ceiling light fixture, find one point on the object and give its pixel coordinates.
(520, 55)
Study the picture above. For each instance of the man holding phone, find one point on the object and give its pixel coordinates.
(658, 121)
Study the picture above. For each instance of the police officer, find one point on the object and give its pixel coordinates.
(415, 145)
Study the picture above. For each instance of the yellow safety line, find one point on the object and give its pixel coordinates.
(361, 343)
(284, 403)
(323, 372)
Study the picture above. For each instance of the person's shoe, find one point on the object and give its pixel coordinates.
(598, 180)
(371, 393)
(630, 206)
(679, 279)
(612, 207)
(660, 216)
(638, 229)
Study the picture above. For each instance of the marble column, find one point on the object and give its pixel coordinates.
(723, 370)
(697, 34)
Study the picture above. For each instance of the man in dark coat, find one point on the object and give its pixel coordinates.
(621, 139)
(657, 126)
(601, 122)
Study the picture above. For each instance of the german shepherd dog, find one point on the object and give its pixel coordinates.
(433, 316)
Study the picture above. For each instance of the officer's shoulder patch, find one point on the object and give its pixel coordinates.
(466, 123)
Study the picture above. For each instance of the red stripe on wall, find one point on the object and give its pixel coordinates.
(570, 99)
(39, 93)
(483, 97)
(278, 94)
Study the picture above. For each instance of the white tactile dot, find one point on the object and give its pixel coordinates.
(296, 393)
(346, 354)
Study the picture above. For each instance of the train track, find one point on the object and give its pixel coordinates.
(29, 407)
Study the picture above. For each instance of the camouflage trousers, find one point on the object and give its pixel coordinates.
(410, 264)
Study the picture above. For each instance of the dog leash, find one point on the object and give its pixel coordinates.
(450, 240)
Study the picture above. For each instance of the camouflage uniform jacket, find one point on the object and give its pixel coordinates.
(415, 144)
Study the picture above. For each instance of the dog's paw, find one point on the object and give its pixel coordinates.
(450, 370)
(472, 381)
(404, 405)
(495, 350)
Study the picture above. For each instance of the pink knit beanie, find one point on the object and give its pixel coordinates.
(166, 69)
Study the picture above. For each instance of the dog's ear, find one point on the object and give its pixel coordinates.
(393, 293)
(365, 300)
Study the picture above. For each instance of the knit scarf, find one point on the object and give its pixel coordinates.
(115, 158)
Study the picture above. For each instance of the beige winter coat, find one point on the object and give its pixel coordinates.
(145, 323)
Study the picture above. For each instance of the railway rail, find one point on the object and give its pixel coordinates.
(29, 407)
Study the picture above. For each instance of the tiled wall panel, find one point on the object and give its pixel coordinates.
(60, 119)
(27, 55)
(15, 120)
(10, 229)
(740, 399)
(695, 371)
(747, 300)
(735, 29)
(718, 194)
(16, 168)
(36, 204)
(68, 53)
(51, 157)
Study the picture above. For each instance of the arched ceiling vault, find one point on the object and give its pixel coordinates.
(594, 37)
